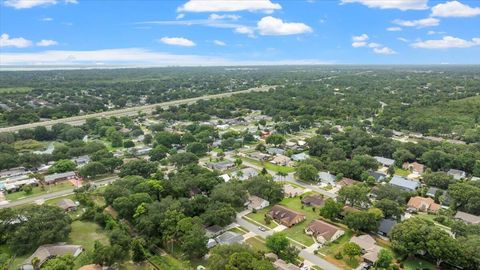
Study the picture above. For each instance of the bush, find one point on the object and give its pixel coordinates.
(339, 256)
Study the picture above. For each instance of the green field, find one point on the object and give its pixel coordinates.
(418, 264)
(38, 191)
(257, 243)
(269, 166)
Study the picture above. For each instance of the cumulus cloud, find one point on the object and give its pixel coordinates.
(362, 41)
(177, 41)
(219, 42)
(245, 30)
(394, 29)
(24, 4)
(232, 17)
(454, 9)
(418, 23)
(46, 43)
(19, 42)
(270, 26)
(391, 4)
(46, 19)
(135, 56)
(446, 43)
(384, 50)
(229, 6)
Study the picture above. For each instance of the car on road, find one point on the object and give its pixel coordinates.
(261, 228)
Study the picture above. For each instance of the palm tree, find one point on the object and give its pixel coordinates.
(282, 174)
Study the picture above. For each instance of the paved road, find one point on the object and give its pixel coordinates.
(250, 226)
(52, 195)
(317, 260)
(78, 120)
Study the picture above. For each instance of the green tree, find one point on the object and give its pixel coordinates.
(65, 262)
(275, 139)
(63, 165)
(384, 260)
(138, 167)
(28, 189)
(390, 209)
(306, 172)
(92, 169)
(183, 159)
(361, 221)
(138, 250)
(351, 250)
(354, 195)
(331, 209)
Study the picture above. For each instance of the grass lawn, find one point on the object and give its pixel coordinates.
(38, 191)
(86, 233)
(169, 262)
(269, 166)
(431, 218)
(336, 246)
(418, 264)
(257, 244)
(238, 230)
(401, 172)
(259, 217)
(11, 90)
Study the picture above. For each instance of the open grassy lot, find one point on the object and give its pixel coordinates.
(269, 166)
(14, 90)
(417, 264)
(38, 191)
(259, 217)
(86, 233)
(257, 244)
(401, 172)
(169, 262)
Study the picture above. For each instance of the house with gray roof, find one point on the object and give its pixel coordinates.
(245, 173)
(467, 218)
(221, 166)
(385, 226)
(300, 156)
(228, 238)
(386, 162)
(379, 176)
(275, 151)
(45, 252)
(457, 174)
(57, 177)
(403, 183)
(327, 178)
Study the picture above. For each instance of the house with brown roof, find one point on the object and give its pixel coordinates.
(67, 205)
(291, 191)
(369, 247)
(257, 203)
(315, 200)
(285, 216)
(421, 204)
(280, 264)
(414, 167)
(323, 232)
(467, 218)
(347, 182)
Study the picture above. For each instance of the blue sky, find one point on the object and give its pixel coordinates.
(239, 32)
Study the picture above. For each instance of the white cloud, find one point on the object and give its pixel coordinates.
(418, 23)
(46, 43)
(402, 39)
(180, 16)
(446, 43)
(454, 9)
(46, 19)
(228, 6)
(177, 41)
(219, 42)
(23, 4)
(384, 50)
(270, 26)
(394, 29)
(232, 17)
(362, 41)
(391, 4)
(135, 56)
(245, 30)
(362, 37)
(6, 41)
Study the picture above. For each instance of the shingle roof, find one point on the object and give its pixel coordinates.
(404, 183)
(385, 161)
(469, 218)
(326, 230)
(386, 225)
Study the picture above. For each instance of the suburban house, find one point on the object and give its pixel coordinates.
(275, 151)
(281, 160)
(291, 191)
(386, 225)
(457, 174)
(300, 156)
(432, 191)
(81, 160)
(285, 216)
(225, 177)
(403, 183)
(58, 177)
(214, 230)
(379, 176)
(467, 218)
(14, 183)
(221, 166)
(323, 231)
(347, 182)
(257, 203)
(46, 252)
(280, 264)
(229, 237)
(386, 162)
(327, 178)
(313, 200)
(245, 173)
(421, 204)
(414, 167)
(67, 205)
(369, 247)
(259, 156)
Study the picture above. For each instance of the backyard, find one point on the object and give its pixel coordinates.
(269, 166)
